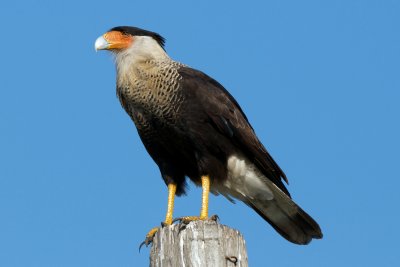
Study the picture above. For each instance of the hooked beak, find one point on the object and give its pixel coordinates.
(113, 40)
(101, 43)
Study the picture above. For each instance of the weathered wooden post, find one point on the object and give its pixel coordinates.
(198, 244)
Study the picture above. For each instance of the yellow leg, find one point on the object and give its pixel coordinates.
(168, 216)
(170, 208)
(205, 184)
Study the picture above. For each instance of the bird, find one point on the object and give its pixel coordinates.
(194, 129)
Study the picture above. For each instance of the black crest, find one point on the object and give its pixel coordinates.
(140, 32)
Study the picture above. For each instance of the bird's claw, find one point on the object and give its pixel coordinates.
(214, 218)
(187, 219)
(145, 242)
(149, 237)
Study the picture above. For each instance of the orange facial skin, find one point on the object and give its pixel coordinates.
(118, 40)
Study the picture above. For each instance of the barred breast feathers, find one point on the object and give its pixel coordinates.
(147, 78)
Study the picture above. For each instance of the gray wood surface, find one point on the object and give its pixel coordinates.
(200, 243)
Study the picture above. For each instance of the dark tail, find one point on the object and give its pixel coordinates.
(287, 218)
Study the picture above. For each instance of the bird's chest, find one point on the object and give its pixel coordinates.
(155, 94)
(160, 133)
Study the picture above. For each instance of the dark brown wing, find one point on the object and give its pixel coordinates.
(228, 118)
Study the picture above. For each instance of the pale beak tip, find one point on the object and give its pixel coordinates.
(101, 44)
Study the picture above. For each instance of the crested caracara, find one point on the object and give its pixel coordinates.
(192, 127)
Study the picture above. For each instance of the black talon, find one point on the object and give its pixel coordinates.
(146, 242)
(141, 245)
(214, 218)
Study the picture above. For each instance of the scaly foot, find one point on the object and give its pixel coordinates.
(188, 219)
(149, 237)
(168, 218)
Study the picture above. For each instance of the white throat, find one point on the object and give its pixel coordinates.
(143, 49)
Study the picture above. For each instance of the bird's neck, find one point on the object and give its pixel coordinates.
(139, 60)
(143, 50)
(141, 72)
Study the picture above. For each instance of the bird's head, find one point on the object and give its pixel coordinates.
(126, 40)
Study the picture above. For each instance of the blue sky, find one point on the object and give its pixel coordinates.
(319, 81)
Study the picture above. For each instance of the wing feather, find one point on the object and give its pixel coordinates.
(228, 118)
